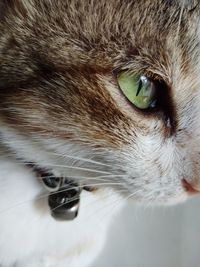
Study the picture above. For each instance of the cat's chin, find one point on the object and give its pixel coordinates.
(172, 201)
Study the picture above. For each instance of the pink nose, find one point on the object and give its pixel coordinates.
(189, 188)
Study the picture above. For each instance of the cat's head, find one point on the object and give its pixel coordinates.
(106, 90)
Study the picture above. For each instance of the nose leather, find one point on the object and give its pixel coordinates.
(190, 188)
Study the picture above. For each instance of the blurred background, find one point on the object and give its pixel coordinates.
(154, 237)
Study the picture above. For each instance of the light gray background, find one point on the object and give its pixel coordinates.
(154, 237)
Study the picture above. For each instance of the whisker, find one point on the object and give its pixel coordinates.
(76, 168)
(59, 191)
(83, 159)
(179, 21)
(115, 191)
(118, 191)
(83, 178)
(68, 167)
(114, 206)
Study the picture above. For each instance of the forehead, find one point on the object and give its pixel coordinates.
(147, 35)
(101, 33)
(159, 38)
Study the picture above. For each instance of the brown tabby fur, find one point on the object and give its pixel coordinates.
(56, 55)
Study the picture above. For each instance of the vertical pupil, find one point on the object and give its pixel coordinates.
(139, 87)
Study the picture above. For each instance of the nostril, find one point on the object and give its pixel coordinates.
(189, 188)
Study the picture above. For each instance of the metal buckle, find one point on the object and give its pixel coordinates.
(64, 198)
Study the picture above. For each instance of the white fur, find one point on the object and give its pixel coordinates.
(30, 237)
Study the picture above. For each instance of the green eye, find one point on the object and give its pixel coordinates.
(138, 89)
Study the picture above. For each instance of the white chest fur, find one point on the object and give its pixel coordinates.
(30, 237)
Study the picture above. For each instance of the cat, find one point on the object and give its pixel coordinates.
(101, 97)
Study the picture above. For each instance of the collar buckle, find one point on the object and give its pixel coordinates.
(64, 198)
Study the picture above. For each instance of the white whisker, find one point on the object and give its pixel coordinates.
(83, 159)
(62, 190)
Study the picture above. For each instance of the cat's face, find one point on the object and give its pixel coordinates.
(62, 104)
